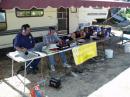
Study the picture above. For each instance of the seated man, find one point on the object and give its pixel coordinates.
(23, 42)
(53, 38)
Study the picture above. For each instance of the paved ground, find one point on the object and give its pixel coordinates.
(92, 75)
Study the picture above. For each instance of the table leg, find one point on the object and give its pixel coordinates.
(12, 68)
(24, 76)
(41, 67)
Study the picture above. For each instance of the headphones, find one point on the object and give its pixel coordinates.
(23, 30)
(24, 27)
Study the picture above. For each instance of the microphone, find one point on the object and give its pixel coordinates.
(26, 53)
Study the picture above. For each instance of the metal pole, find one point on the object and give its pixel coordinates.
(12, 68)
(24, 76)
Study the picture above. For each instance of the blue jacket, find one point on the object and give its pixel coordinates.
(27, 42)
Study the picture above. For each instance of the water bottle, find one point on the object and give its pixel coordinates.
(38, 92)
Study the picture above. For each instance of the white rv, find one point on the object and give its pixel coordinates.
(66, 20)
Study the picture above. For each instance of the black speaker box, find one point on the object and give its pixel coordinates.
(55, 82)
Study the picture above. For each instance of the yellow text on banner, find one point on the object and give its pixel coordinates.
(84, 52)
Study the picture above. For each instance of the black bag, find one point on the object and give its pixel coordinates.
(55, 82)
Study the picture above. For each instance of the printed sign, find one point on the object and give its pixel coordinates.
(84, 52)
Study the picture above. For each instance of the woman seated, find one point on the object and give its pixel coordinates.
(78, 35)
(101, 32)
(89, 32)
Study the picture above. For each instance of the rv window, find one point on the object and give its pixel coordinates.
(3, 23)
(29, 13)
(2, 17)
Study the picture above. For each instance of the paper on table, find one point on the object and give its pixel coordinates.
(52, 46)
(48, 51)
(21, 57)
(15, 56)
(81, 40)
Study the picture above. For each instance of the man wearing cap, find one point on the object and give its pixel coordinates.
(24, 42)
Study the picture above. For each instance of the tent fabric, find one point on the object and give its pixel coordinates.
(27, 4)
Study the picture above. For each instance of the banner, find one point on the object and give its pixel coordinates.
(84, 52)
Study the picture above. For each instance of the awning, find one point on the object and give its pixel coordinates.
(27, 4)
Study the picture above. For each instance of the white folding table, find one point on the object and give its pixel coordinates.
(16, 56)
